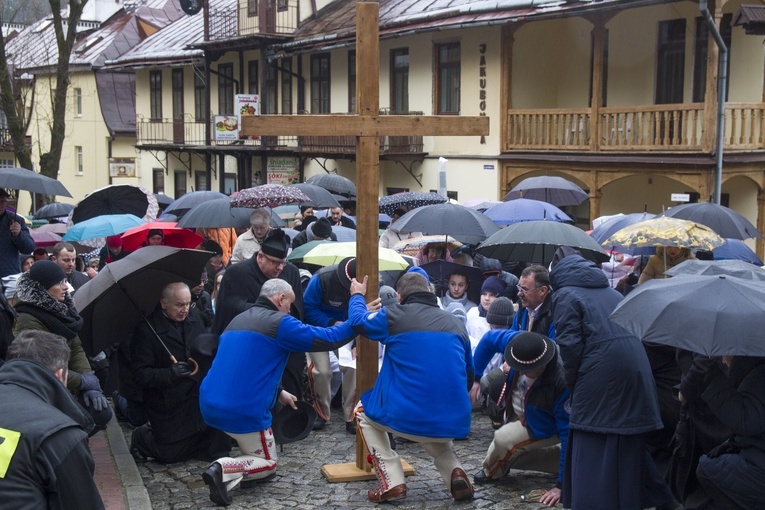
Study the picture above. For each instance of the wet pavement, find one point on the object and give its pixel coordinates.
(299, 483)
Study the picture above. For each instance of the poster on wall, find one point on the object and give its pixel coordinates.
(121, 167)
(283, 171)
(244, 105)
(225, 128)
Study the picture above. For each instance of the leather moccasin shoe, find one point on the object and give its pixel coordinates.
(392, 494)
(319, 424)
(138, 456)
(461, 489)
(480, 478)
(213, 478)
(350, 427)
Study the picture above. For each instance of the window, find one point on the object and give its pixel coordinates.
(252, 8)
(700, 56)
(177, 93)
(78, 102)
(352, 81)
(448, 78)
(200, 181)
(282, 5)
(6, 163)
(79, 160)
(158, 180)
(225, 89)
(272, 96)
(399, 80)
(200, 112)
(287, 86)
(155, 94)
(229, 183)
(252, 77)
(320, 83)
(670, 71)
(180, 183)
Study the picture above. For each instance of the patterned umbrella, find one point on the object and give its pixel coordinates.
(549, 188)
(412, 246)
(409, 200)
(663, 231)
(268, 195)
(334, 184)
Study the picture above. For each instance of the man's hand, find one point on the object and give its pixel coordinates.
(15, 228)
(288, 399)
(551, 497)
(475, 392)
(95, 399)
(182, 369)
(359, 288)
(374, 305)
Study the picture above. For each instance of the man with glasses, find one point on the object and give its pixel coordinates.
(241, 286)
(249, 243)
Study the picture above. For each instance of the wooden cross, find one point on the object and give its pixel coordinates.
(367, 126)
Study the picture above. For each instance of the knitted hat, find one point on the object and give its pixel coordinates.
(346, 270)
(114, 241)
(388, 296)
(493, 285)
(322, 229)
(276, 244)
(529, 351)
(420, 271)
(500, 312)
(47, 273)
(457, 310)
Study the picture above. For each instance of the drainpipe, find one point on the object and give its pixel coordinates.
(722, 83)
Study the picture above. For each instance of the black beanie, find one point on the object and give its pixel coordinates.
(322, 228)
(47, 273)
(500, 312)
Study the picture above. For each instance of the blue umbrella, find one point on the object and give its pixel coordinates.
(736, 249)
(182, 205)
(524, 209)
(344, 233)
(102, 226)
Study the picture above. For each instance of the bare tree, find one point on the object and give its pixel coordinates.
(65, 29)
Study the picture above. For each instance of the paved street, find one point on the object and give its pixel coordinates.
(299, 483)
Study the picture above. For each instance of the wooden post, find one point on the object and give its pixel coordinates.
(709, 131)
(367, 125)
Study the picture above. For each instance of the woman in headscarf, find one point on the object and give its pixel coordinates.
(43, 303)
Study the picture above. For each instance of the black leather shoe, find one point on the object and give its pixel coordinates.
(319, 424)
(138, 457)
(350, 427)
(480, 478)
(213, 478)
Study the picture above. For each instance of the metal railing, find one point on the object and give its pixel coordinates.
(254, 17)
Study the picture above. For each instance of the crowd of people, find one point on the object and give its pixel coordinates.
(567, 391)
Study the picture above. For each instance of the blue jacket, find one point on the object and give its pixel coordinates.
(11, 246)
(325, 300)
(606, 367)
(495, 340)
(422, 388)
(547, 407)
(242, 385)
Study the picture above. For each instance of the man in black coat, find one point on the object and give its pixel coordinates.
(240, 288)
(338, 218)
(44, 456)
(65, 255)
(176, 430)
(320, 230)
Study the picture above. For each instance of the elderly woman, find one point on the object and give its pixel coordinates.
(666, 257)
(43, 302)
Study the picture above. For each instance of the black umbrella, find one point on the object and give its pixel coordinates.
(54, 210)
(461, 223)
(184, 204)
(737, 268)
(549, 188)
(440, 270)
(27, 180)
(536, 241)
(218, 213)
(163, 200)
(320, 197)
(408, 200)
(711, 315)
(117, 199)
(723, 220)
(334, 183)
(127, 290)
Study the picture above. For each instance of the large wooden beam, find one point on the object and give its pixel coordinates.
(369, 125)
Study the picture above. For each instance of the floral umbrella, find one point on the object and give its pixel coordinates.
(268, 195)
(664, 231)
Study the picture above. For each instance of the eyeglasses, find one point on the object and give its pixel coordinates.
(274, 262)
(526, 291)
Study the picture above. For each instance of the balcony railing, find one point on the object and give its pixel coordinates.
(675, 127)
(6, 144)
(254, 17)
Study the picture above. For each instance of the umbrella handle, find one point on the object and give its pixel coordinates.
(191, 360)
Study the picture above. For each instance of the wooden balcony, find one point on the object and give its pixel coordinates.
(674, 128)
(254, 17)
(6, 144)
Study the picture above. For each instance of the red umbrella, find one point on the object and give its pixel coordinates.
(177, 237)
